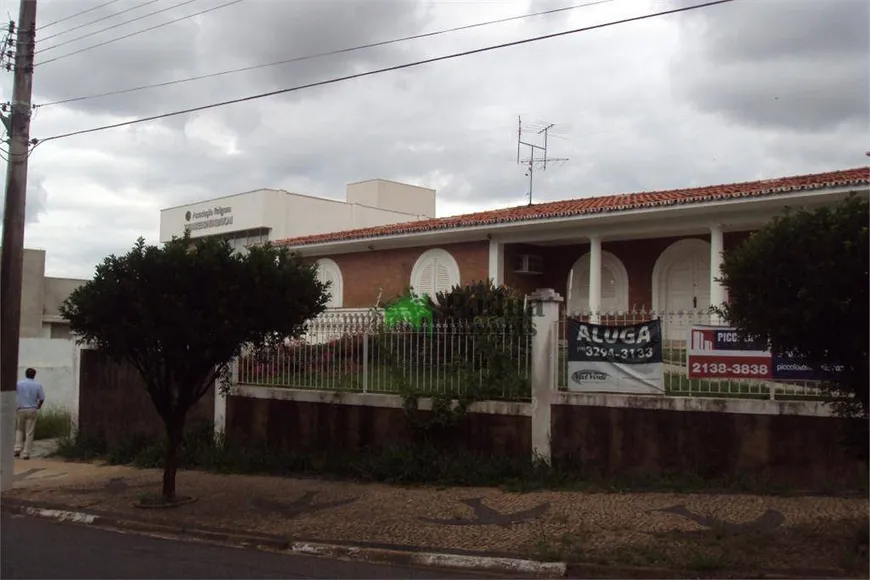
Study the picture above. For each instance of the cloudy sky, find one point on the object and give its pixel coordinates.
(747, 90)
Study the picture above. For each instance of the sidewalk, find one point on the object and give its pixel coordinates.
(695, 532)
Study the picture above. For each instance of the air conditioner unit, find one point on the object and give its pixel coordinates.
(528, 264)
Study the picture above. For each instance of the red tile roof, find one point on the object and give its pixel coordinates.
(605, 204)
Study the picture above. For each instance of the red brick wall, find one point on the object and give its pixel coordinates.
(366, 273)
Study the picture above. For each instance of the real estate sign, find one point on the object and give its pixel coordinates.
(718, 352)
(615, 359)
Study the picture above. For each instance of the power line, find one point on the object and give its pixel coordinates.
(89, 34)
(322, 54)
(113, 15)
(77, 14)
(212, 9)
(383, 70)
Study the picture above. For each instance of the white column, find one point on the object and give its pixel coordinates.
(496, 262)
(220, 401)
(717, 246)
(545, 308)
(594, 277)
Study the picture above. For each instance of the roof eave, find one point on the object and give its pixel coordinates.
(482, 231)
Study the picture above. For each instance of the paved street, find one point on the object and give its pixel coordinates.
(33, 548)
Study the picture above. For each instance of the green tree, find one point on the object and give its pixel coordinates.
(801, 285)
(182, 312)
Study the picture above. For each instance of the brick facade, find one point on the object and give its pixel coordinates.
(638, 257)
(367, 274)
(388, 272)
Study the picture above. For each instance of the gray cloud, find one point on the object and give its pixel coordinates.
(251, 33)
(641, 107)
(798, 65)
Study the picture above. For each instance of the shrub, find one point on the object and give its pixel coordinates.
(53, 423)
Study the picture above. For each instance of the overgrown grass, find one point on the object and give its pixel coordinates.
(381, 378)
(409, 464)
(53, 423)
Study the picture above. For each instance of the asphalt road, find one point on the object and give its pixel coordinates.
(35, 548)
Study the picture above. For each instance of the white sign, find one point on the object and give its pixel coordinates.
(615, 359)
(213, 217)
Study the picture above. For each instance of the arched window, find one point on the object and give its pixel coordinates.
(614, 285)
(328, 271)
(435, 271)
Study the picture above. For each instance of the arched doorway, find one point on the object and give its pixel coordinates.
(681, 284)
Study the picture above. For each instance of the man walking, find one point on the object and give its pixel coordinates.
(30, 400)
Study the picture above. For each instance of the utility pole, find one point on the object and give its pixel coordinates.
(532, 160)
(12, 250)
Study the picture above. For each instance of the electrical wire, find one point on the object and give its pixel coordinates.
(113, 15)
(212, 9)
(34, 144)
(322, 54)
(77, 14)
(384, 70)
(89, 34)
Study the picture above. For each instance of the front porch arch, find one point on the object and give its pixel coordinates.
(614, 284)
(691, 253)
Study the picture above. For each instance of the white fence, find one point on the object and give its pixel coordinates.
(675, 329)
(354, 351)
(358, 351)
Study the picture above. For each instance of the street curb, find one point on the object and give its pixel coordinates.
(317, 549)
(396, 555)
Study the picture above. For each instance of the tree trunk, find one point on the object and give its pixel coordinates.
(170, 464)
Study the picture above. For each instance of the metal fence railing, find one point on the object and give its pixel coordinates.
(357, 352)
(675, 328)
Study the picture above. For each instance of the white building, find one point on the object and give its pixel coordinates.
(272, 214)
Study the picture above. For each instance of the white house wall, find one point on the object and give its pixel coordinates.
(56, 369)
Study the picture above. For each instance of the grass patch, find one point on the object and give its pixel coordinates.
(53, 424)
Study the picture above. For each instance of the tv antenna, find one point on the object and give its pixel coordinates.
(535, 161)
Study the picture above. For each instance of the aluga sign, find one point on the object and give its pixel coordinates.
(615, 359)
(614, 334)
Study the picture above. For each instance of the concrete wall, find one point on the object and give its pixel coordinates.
(612, 435)
(55, 361)
(308, 425)
(290, 215)
(57, 290)
(793, 450)
(393, 196)
(41, 298)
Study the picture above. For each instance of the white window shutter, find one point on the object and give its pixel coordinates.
(327, 274)
(426, 283)
(442, 280)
